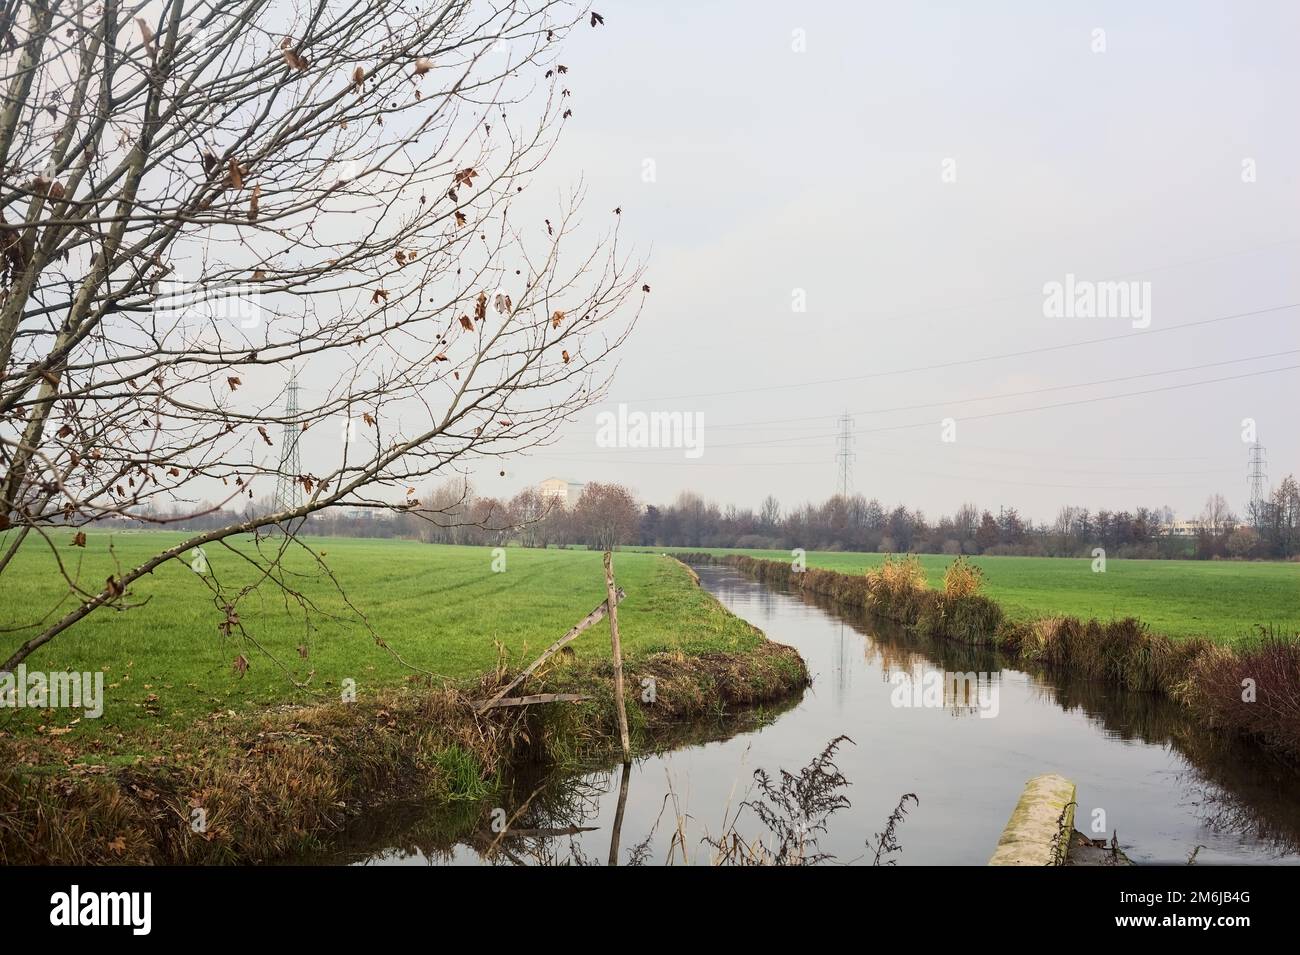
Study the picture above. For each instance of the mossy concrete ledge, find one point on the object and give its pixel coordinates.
(1038, 832)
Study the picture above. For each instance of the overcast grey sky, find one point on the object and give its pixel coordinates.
(822, 170)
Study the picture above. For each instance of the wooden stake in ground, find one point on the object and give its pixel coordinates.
(612, 602)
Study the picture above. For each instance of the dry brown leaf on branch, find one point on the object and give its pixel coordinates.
(367, 418)
(556, 319)
(565, 356)
(502, 303)
(150, 47)
(460, 219)
(480, 307)
(233, 381)
(265, 437)
(380, 295)
(466, 324)
(254, 203)
(292, 57)
(423, 65)
(236, 176)
(358, 78)
(240, 665)
(79, 539)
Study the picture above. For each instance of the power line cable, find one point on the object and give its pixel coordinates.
(1015, 411)
(955, 363)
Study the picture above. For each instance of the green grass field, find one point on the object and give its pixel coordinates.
(1225, 600)
(440, 607)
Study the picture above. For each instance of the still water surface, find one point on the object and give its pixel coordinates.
(1142, 770)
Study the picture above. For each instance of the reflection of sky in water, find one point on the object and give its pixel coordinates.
(967, 771)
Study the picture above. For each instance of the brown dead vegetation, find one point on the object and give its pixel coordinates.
(287, 780)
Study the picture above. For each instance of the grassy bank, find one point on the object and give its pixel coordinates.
(442, 609)
(1223, 600)
(1251, 687)
(274, 761)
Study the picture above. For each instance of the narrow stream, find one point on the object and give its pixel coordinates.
(1142, 769)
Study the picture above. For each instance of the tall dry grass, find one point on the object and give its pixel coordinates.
(895, 588)
(962, 579)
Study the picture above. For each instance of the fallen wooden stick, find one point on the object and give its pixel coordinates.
(592, 618)
(535, 698)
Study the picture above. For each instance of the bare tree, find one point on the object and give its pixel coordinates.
(201, 199)
(606, 515)
(528, 510)
(1216, 516)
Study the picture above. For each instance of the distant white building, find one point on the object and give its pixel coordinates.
(560, 491)
(366, 514)
(1184, 528)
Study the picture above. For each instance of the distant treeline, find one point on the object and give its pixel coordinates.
(857, 524)
(609, 514)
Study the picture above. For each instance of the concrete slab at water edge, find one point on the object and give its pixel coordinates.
(1039, 830)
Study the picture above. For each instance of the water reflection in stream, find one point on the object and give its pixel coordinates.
(1160, 783)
